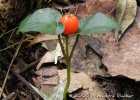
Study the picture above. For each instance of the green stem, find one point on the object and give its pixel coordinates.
(62, 47)
(68, 70)
(76, 41)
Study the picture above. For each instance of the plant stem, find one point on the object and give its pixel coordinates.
(73, 48)
(68, 69)
(62, 47)
(68, 59)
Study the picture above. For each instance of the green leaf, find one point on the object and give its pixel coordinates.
(44, 20)
(98, 23)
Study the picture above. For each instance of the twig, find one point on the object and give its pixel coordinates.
(15, 54)
(8, 31)
(25, 82)
(29, 66)
(10, 96)
(77, 6)
(9, 47)
(4, 95)
(11, 34)
(26, 40)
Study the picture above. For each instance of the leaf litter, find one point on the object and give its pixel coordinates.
(82, 81)
(42, 37)
(125, 15)
(123, 58)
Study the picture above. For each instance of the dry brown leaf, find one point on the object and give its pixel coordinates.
(123, 59)
(94, 92)
(86, 40)
(89, 64)
(42, 37)
(86, 9)
(61, 6)
(125, 15)
(51, 80)
(47, 58)
(48, 84)
(47, 72)
(82, 80)
(78, 80)
(93, 42)
(82, 44)
(138, 18)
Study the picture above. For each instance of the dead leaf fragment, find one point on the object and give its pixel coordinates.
(93, 42)
(48, 84)
(138, 18)
(51, 80)
(86, 9)
(42, 37)
(47, 72)
(94, 92)
(125, 15)
(90, 89)
(82, 43)
(48, 57)
(61, 6)
(78, 80)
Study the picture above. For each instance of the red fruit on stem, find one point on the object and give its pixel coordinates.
(70, 22)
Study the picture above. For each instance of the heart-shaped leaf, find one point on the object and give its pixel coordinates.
(44, 20)
(96, 24)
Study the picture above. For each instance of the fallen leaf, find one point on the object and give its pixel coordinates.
(51, 80)
(51, 86)
(78, 80)
(125, 15)
(48, 57)
(82, 44)
(138, 18)
(94, 92)
(90, 89)
(51, 44)
(61, 6)
(47, 72)
(48, 84)
(43, 44)
(120, 9)
(93, 42)
(123, 59)
(86, 9)
(42, 37)
(89, 64)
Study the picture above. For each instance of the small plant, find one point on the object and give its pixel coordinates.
(51, 22)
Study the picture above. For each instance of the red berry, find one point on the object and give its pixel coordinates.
(70, 22)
